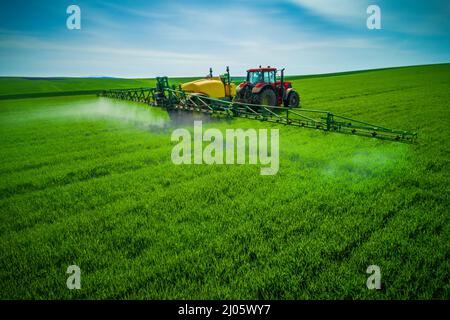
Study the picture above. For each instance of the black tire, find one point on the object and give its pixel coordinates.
(293, 100)
(266, 98)
(244, 95)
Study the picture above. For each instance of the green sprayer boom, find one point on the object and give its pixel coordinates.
(172, 98)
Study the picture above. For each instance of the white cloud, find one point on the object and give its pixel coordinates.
(190, 39)
(345, 11)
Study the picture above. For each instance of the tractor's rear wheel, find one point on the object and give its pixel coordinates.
(266, 98)
(293, 100)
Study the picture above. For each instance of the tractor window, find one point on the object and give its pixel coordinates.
(269, 77)
(255, 77)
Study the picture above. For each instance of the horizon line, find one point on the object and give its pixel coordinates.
(239, 76)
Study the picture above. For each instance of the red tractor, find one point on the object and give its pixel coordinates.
(263, 88)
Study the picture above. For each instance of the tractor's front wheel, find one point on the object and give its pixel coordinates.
(266, 98)
(293, 100)
(244, 95)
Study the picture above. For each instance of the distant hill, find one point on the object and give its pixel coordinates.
(29, 87)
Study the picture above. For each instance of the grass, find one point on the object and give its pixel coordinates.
(32, 87)
(89, 181)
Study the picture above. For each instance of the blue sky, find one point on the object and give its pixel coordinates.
(138, 38)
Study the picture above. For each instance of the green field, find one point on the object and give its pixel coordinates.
(89, 181)
(22, 87)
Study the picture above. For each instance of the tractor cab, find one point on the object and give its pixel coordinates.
(261, 75)
(262, 87)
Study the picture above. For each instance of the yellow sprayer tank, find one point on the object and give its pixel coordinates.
(213, 87)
